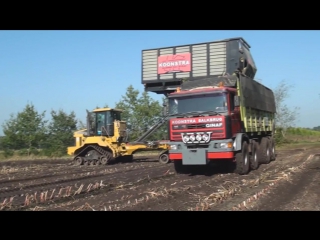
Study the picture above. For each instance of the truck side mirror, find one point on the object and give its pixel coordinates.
(236, 101)
(164, 110)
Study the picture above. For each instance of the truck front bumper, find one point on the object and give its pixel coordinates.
(200, 156)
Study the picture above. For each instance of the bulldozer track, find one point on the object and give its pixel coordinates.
(95, 147)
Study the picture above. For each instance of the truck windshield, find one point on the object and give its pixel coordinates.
(205, 102)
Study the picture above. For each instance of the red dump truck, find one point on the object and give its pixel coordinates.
(216, 110)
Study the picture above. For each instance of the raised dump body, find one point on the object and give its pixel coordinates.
(164, 69)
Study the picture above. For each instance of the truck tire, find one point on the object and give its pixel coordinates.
(164, 157)
(180, 168)
(128, 158)
(264, 151)
(254, 160)
(243, 160)
(272, 149)
(78, 161)
(125, 159)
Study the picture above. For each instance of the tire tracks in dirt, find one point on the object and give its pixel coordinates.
(64, 170)
(30, 162)
(299, 190)
(65, 178)
(154, 193)
(149, 186)
(199, 196)
(114, 181)
(124, 197)
(8, 173)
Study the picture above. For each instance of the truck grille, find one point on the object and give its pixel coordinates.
(196, 126)
(176, 136)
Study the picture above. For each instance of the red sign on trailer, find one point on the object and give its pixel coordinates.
(180, 62)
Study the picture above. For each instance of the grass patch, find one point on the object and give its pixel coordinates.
(303, 132)
(299, 138)
(299, 145)
(16, 156)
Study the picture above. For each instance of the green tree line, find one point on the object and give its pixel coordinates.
(29, 133)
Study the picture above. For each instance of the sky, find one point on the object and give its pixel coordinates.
(77, 70)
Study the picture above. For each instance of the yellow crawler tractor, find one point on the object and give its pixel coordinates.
(105, 140)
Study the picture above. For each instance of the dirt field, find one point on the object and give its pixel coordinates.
(291, 182)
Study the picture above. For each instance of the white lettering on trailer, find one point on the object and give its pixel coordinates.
(184, 121)
(172, 64)
(204, 120)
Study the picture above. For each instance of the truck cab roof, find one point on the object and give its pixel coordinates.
(199, 90)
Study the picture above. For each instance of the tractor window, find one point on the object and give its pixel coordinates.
(116, 115)
(104, 122)
(109, 118)
(112, 116)
(92, 122)
(101, 121)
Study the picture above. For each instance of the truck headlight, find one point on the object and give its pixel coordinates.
(226, 145)
(186, 138)
(198, 137)
(192, 138)
(173, 147)
(205, 137)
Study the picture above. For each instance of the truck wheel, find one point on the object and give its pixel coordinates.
(86, 163)
(130, 158)
(272, 149)
(264, 151)
(106, 159)
(78, 161)
(164, 158)
(254, 160)
(126, 158)
(243, 160)
(180, 168)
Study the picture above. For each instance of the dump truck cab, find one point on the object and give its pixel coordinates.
(213, 103)
(204, 124)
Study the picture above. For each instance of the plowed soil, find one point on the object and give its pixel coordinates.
(291, 182)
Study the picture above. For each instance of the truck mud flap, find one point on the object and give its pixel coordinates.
(194, 157)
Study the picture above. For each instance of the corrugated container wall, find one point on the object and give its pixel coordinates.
(163, 69)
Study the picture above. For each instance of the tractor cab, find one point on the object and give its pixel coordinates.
(100, 122)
